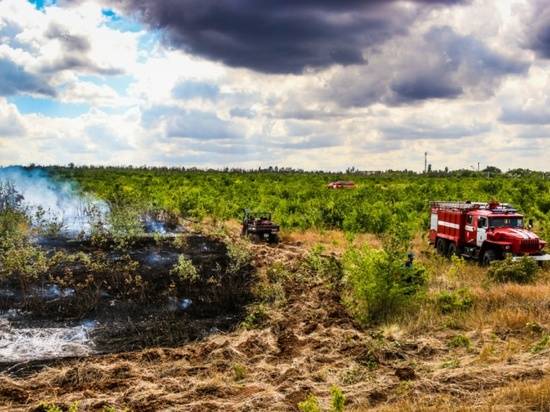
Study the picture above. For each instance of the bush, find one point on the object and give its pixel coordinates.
(239, 256)
(542, 344)
(378, 284)
(185, 270)
(522, 270)
(338, 399)
(311, 404)
(256, 318)
(13, 215)
(460, 341)
(239, 372)
(453, 301)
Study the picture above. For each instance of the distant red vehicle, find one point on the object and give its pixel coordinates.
(483, 231)
(341, 184)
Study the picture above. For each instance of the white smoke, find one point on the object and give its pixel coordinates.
(59, 201)
(24, 344)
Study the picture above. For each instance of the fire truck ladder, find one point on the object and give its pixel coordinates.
(500, 207)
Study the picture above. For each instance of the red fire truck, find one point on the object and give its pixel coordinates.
(483, 231)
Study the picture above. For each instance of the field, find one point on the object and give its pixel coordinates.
(299, 200)
(330, 319)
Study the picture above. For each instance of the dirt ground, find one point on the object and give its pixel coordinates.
(306, 344)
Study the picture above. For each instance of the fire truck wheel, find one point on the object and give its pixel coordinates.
(488, 257)
(441, 246)
(452, 250)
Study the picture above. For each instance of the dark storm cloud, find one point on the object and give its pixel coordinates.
(462, 61)
(14, 79)
(425, 86)
(280, 36)
(441, 64)
(538, 29)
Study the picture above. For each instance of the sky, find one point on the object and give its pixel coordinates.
(310, 84)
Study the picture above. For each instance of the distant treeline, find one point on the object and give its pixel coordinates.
(486, 172)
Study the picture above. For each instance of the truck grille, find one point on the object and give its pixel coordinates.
(530, 244)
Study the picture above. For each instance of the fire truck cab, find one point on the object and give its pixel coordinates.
(483, 231)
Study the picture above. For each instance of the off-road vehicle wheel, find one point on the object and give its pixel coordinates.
(441, 246)
(452, 250)
(488, 257)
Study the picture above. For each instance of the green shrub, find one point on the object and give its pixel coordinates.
(542, 344)
(521, 270)
(185, 270)
(22, 261)
(256, 318)
(311, 404)
(453, 301)
(337, 399)
(378, 284)
(460, 341)
(239, 372)
(239, 255)
(13, 215)
(326, 266)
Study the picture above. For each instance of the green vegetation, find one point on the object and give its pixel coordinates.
(239, 372)
(185, 270)
(378, 284)
(311, 404)
(542, 344)
(521, 270)
(338, 399)
(453, 301)
(460, 341)
(300, 200)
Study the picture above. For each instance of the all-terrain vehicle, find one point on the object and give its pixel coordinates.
(259, 226)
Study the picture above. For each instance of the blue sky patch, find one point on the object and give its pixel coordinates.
(119, 82)
(41, 4)
(121, 23)
(48, 107)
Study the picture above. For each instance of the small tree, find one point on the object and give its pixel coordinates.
(377, 283)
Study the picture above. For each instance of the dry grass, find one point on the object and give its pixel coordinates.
(332, 240)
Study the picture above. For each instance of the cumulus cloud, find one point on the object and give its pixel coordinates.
(75, 53)
(11, 123)
(280, 36)
(176, 122)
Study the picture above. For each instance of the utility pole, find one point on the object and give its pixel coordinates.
(425, 162)
(478, 166)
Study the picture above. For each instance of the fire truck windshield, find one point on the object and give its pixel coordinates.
(506, 222)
